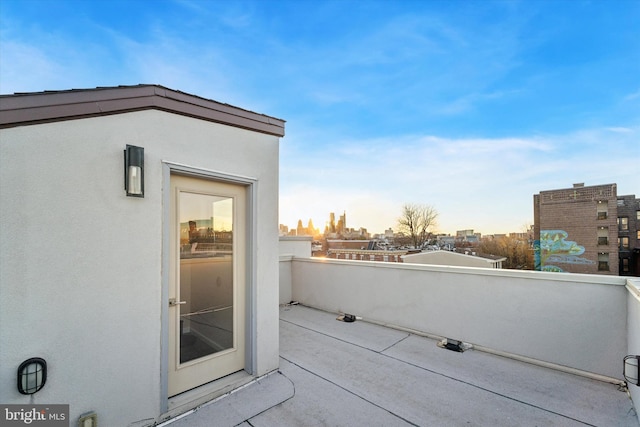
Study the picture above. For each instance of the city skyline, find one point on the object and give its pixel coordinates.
(470, 107)
(322, 230)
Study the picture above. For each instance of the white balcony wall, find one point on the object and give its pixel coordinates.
(633, 322)
(575, 320)
(285, 278)
(299, 246)
(289, 247)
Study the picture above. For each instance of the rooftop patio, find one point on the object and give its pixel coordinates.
(546, 349)
(338, 373)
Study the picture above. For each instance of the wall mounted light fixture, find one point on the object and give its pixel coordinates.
(134, 171)
(32, 375)
(89, 419)
(631, 370)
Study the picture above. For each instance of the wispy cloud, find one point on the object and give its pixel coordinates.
(631, 96)
(470, 106)
(485, 183)
(19, 64)
(618, 129)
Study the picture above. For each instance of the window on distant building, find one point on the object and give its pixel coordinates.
(638, 235)
(603, 235)
(603, 262)
(620, 202)
(623, 242)
(625, 265)
(638, 215)
(623, 223)
(602, 209)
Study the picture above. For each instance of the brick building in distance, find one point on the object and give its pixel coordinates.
(587, 230)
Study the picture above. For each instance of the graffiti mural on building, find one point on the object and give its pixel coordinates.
(554, 248)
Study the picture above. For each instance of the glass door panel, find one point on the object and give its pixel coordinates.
(206, 275)
(207, 280)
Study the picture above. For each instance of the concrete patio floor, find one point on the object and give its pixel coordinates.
(361, 374)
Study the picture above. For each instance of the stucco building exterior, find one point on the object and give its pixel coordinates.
(142, 307)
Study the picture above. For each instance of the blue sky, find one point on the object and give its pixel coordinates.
(468, 106)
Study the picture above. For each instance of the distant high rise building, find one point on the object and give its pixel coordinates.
(310, 229)
(332, 222)
(587, 230)
(464, 233)
(388, 233)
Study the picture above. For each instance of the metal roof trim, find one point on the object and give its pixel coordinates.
(24, 109)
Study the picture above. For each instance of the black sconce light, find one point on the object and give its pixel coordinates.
(631, 371)
(134, 171)
(32, 374)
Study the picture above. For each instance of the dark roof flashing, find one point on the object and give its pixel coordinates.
(24, 109)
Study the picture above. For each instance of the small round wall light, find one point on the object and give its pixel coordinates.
(32, 375)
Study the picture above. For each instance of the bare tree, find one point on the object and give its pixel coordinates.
(517, 251)
(415, 222)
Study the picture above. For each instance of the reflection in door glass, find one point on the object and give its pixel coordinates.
(206, 275)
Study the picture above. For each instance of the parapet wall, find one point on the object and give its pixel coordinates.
(573, 320)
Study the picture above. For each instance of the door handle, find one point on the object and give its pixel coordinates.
(173, 302)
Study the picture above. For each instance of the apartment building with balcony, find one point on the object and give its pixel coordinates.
(586, 229)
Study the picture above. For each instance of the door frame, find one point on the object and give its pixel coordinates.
(251, 184)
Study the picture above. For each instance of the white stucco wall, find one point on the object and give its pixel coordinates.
(285, 278)
(80, 263)
(575, 320)
(448, 258)
(633, 323)
(290, 247)
(298, 246)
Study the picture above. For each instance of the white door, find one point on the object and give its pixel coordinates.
(207, 282)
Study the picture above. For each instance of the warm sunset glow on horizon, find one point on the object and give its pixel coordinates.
(471, 107)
